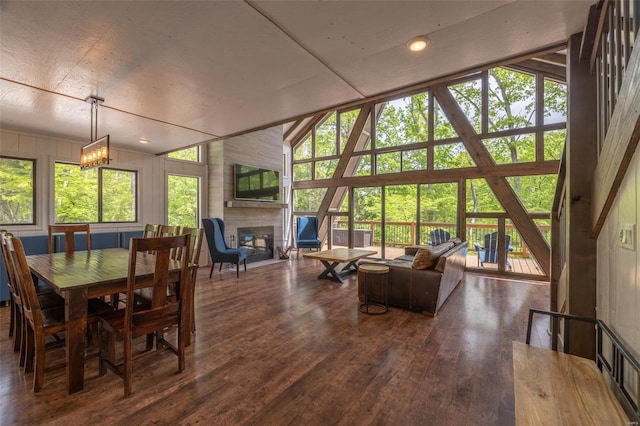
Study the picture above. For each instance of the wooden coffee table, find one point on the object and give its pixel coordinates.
(332, 258)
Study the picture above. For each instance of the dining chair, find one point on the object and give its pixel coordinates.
(38, 323)
(168, 231)
(150, 230)
(137, 320)
(69, 232)
(194, 262)
(45, 300)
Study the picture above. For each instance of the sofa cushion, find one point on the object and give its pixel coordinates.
(426, 257)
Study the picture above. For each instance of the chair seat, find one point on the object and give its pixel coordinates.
(50, 300)
(53, 317)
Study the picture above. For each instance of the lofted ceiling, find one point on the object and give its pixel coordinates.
(180, 73)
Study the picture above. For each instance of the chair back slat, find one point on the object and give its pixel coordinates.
(69, 232)
(150, 231)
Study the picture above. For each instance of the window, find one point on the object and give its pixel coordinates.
(94, 195)
(187, 154)
(183, 199)
(17, 191)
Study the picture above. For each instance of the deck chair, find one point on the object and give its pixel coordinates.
(489, 252)
(438, 236)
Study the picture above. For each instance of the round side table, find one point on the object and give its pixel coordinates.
(369, 271)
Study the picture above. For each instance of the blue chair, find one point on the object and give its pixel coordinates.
(489, 252)
(307, 233)
(214, 231)
(438, 236)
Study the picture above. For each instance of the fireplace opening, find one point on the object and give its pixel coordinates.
(258, 240)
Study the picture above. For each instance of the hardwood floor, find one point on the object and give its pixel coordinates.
(278, 346)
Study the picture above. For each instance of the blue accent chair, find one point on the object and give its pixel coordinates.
(307, 233)
(214, 231)
(489, 252)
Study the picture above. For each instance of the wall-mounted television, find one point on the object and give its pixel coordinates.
(255, 183)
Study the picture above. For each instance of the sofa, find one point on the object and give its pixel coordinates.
(422, 290)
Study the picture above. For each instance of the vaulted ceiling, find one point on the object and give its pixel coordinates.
(180, 73)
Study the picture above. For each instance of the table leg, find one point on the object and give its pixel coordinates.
(330, 272)
(351, 266)
(75, 308)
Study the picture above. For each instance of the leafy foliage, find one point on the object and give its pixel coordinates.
(187, 154)
(182, 200)
(16, 191)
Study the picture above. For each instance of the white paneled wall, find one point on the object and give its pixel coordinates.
(152, 178)
(618, 302)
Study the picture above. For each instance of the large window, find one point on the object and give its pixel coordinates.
(183, 199)
(17, 191)
(94, 195)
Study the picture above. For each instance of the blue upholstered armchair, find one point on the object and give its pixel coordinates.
(307, 233)
(214, 231)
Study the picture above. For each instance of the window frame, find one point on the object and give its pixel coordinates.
(34, 204)
(100, 195)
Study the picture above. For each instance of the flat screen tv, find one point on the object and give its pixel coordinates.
(256, 184)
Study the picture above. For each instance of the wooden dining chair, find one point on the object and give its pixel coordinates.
(137, 320)
(38, 323)
(45, 300)
(168, 231)
(150, 230)
(69, 232)
(197, 234)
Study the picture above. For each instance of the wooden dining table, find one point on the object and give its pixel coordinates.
(85, 274)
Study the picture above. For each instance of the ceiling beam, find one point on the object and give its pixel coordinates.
(436, 176)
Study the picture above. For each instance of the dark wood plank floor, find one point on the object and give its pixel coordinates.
(278, 346)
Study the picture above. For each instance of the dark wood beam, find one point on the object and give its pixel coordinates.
(435, 176)
(499, 185)
(589, 32)
(597, 36)
(548, 70)
(553, 58)
(354, 141)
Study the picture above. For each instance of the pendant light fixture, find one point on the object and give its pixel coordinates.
(96, 153)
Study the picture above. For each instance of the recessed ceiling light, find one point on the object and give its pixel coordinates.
(418, 44)
(144, 140)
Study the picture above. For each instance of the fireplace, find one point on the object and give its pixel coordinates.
(258, 241)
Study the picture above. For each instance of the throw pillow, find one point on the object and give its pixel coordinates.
(423, 259)
(426, 257)
(442, 261)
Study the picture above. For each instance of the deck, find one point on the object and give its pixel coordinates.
(519, 265)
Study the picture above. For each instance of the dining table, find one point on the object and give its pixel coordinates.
(82, 275)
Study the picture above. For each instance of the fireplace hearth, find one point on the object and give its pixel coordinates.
(258, 240)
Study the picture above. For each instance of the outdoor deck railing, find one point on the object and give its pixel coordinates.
(402, 234)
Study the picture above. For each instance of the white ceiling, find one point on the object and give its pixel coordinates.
(183, 72)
